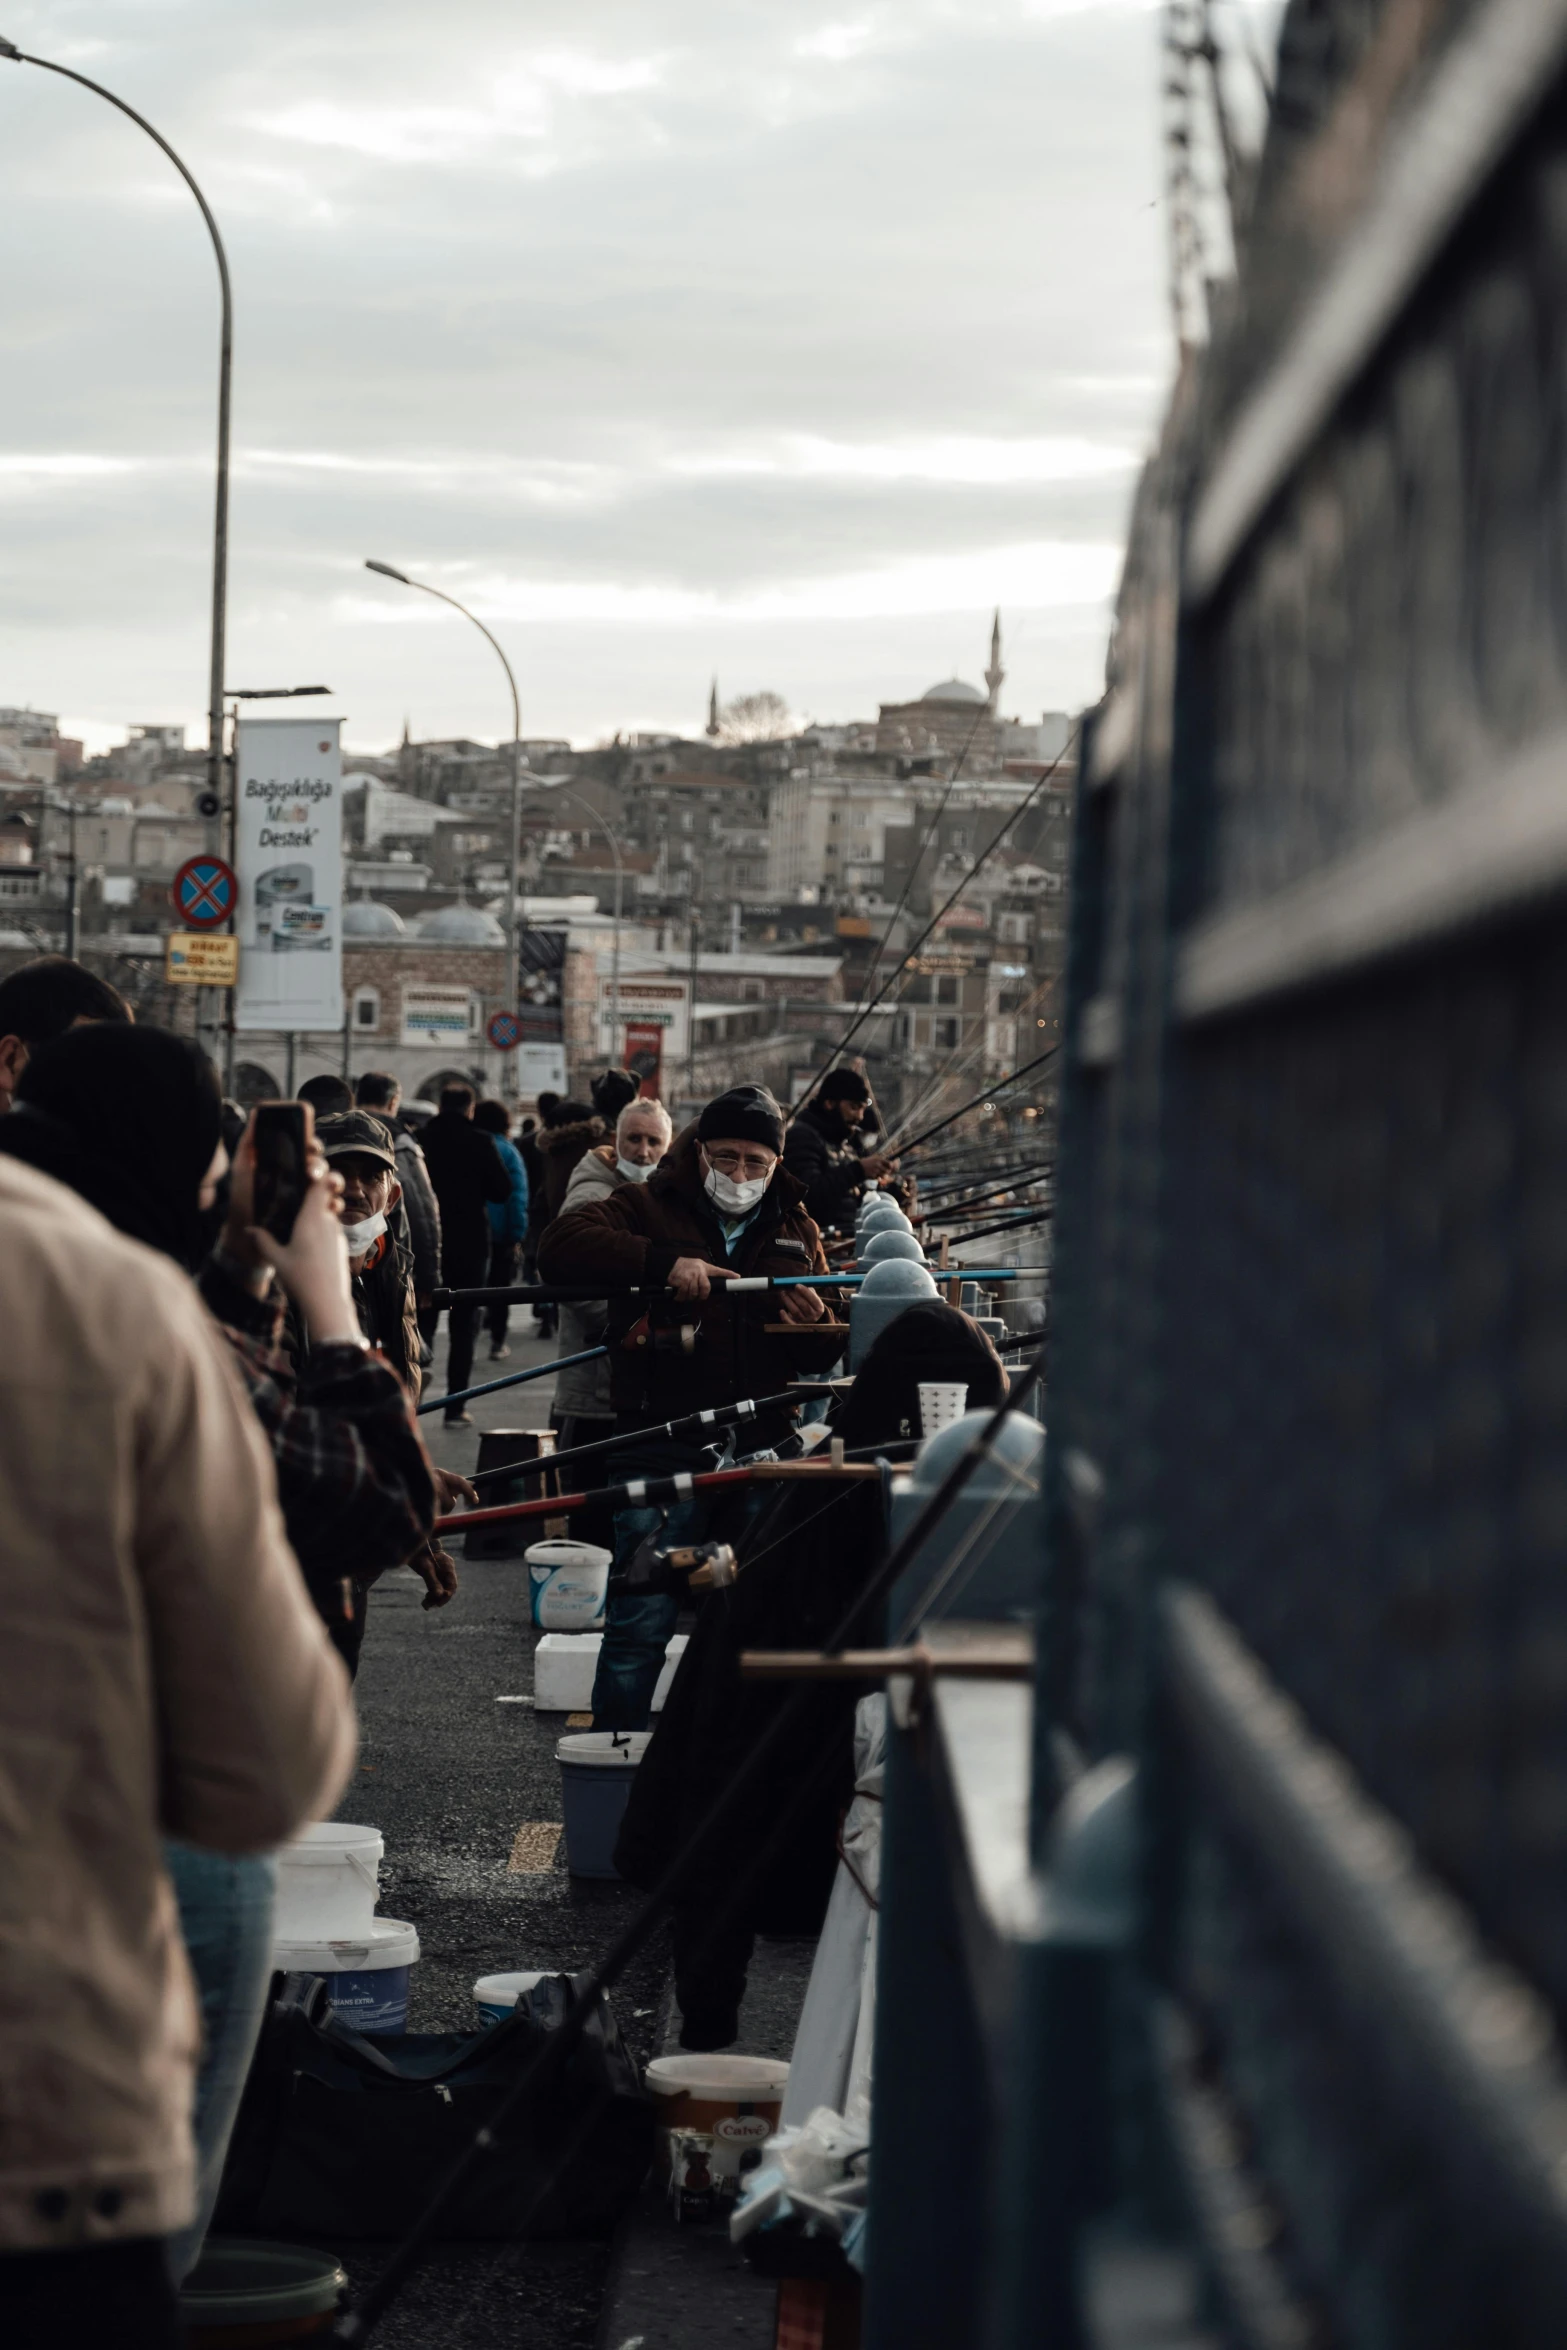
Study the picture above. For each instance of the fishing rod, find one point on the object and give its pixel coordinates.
(1024, 1171)
(645, 1492)
(555, 2049)
(987, 1093)
(948, 1209)
(874, 964)
(441, 1403)
(733, 1284)
(694, 1424)
(945, 908)
(1009, 1224)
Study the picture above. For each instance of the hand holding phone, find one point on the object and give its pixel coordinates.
(284, 1135)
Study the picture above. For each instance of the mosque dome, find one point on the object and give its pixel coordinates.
(953, 689)
(367, 918)
(462, 925)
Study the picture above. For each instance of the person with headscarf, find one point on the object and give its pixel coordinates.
(129, 1119)
(803, 1557)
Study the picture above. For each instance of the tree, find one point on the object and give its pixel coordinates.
(755, 718)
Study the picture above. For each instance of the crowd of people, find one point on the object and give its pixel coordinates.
(208, 1457)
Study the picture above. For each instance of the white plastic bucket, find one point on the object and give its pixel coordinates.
(495, 1996)
(596, 1771)
(328, 1882)
(941, 1402)
(569, 1582)
(565, 1663)
(715, 2093)
(366, 1974)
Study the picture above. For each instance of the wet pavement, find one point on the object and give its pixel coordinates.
(450, 1775)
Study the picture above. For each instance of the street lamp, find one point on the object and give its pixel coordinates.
(387, 571)
(220, 528)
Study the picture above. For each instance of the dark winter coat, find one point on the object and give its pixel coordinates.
(825, 1160)
(560, 1147)
(803, 1561)
(423, 1212)
(636, 1233)
(466, 1171)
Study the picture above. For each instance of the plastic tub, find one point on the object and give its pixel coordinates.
(718, 2094)
(366, 1974)
(569, 1583)
(596, 1769)
(496, 1995)
(247, 2296)
(564, 1665)
(328, 1881)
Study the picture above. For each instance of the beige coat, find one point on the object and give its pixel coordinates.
(161, 1669)
(584, 1389)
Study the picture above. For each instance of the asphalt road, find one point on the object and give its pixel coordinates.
(449, 1776)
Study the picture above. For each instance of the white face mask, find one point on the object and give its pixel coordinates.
(631, 1171)
(736, 1199)
(361, 1237)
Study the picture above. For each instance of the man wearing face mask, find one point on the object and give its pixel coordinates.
(583, 1409)
(359, 1148)
(721, 1204)
(825, 1150)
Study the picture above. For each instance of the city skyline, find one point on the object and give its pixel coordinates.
(672, 341)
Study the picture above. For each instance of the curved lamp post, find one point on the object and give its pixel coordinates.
(220, 531)
(513, 975)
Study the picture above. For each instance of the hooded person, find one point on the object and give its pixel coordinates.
(721, 1204)
(130, 1119)
(802, 1559)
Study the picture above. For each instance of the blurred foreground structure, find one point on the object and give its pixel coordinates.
(1224, 1969)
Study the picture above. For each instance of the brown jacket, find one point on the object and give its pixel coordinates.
(560, 1148)
(636, 1233)
(161, 1670)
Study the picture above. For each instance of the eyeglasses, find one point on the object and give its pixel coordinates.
(739, 1163)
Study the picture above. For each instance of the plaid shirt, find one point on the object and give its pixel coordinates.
(353, 1475)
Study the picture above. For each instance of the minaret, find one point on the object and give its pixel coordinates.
(712, 712)
(995, 675)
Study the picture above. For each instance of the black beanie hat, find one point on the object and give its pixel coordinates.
(746, 1113)
(612, 1091)
(843, 1085)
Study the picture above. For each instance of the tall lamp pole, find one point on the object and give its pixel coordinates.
(220, 527)
(387, 571)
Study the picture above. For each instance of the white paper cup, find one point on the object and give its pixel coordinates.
(941, 1402)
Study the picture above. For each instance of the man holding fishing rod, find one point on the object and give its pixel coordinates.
(722, 1204)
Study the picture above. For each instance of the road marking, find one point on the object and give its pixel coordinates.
(533, 1848)
(579, 1721)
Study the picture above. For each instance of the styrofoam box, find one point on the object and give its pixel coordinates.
(564, 1664)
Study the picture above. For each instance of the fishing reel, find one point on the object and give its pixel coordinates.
(661, 1338)
(697, 1566)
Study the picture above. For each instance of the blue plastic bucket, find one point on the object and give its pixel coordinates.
(366, 1978)
(596, 1771)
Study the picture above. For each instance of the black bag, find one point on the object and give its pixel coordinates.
(341, 2136)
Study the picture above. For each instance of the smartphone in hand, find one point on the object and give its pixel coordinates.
(284, 1134)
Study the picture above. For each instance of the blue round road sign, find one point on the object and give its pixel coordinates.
(204, 892)
(504, 1031)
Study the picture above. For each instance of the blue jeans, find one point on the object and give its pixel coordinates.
(226, 1918)
(638, 1625)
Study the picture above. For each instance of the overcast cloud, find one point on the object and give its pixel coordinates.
(765, 337)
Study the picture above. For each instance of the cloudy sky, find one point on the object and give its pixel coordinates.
(776, 338)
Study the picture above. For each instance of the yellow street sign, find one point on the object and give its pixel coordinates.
(202, 958)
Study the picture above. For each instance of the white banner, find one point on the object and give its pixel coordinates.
(288, 854)
(438, 1015)
(541, 1068)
